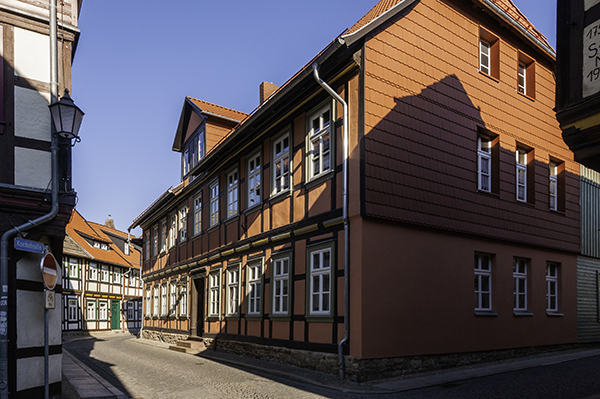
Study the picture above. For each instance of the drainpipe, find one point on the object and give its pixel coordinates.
(10, 234)
(329, 90)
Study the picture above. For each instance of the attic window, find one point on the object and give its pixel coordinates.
(489, 54)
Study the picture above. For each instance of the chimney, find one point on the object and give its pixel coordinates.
(109, 222)
(266, 89)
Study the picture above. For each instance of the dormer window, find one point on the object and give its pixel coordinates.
(193, 151)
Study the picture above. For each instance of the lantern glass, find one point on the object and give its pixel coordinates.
(66, 116)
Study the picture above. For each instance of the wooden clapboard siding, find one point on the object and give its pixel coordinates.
(588, 324)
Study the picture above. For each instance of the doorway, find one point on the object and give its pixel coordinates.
(198, 310)
(115, 314)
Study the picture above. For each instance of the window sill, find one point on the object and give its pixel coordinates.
(485, 313)
(557, 212)
(183, 317)
(233, 317)
(490, 193)
(527, 96)
(522, 313)
(213, 228)
(232, 219)
(319, 319)
(318, 180)
(253, 208)
(280, 196)
(276, 317)
(554, 314)
(213, 318)
(525, 203)
(487, 75)
(254, 317)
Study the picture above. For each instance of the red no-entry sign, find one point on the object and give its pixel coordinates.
(49, 268)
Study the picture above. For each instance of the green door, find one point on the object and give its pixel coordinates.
(115, 315)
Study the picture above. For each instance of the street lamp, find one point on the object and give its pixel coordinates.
(66, 117)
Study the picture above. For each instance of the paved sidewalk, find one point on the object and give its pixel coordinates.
(87, 384)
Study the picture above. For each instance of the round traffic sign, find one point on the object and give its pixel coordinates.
(49, 268)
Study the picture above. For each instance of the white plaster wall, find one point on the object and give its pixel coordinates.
(32, 55)
(32, 168)
(30, 320)
(32, 115)
(28, 267)
(30, 371)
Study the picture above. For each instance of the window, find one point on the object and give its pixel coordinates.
(155, 241)
(281, 286)
(214, 203)
(281, 162)
(319, 136)
(520, 284)
(489, 54)
(484, 56)
(102, 310)
(183, 223)
(552, 287)
(148, 302)
(156, 301)
(521, 78)
(173, 299)
(254, 288)
(96, 244)
(104, 246)
(130, 312)
(73, 268)
(186, 162)
(214, 293)
(172, 230)
(126, 248)
(200, 145)
(164, 306)
(104, 274)
(232, 194)
(254, 167)
(147, 244)
(483, 282)
(91, 310)
(163, 235)
(197, 214)
(117, 276)
(484, 161)
(183, 299)
(553, 186)
(521, 159)
(73, 309)
(193, 151)
(320, 281)
(93, 272)
(233, 287)
(526, 75)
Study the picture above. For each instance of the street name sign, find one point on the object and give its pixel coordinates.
(29, 246)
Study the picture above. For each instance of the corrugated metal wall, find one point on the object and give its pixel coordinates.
(590, 209)
(588, 265)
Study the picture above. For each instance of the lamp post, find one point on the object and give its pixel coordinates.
(66, 117)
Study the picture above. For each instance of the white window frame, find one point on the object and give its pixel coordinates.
(521, 174)
(155, 241)
(172, 298)
(164, 300)
(126, 247)
(130, 311)
(281, 286)
(186, 162)
(117, 276)
(163, 235)
(522, 78)
(214, 293)
(483, 273)
(485, 53)
(520, 266)
(214, 203)
(484, 164)
(147, 246)
(198, 214)
(104, 274)
(73, 268)
(103, 310)
(233, 290)
(254, 179)
(232, 193)
(321, 285)
(201, 149)
(91, 313)
(281, 161)
(172, 230)
(183, 299)
(156, 303)
(317, 139)
(93, 272)
(183, 213)
(73, 309)
(254, 288)
(148, 302)
(552, 287)
(553, 186)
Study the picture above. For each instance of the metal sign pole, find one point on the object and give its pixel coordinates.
(46, 354)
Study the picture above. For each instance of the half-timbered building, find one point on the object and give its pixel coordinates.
(405, 196)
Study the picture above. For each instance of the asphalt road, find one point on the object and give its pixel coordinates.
(144, 371)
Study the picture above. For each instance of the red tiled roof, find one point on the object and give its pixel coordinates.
(219, 110)
(506, 5)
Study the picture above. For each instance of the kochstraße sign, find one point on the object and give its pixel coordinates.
(29, 246)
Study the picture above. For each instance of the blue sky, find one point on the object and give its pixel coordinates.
(135, 64)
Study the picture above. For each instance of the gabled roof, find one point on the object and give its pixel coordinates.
(218, 110)
(80, 230)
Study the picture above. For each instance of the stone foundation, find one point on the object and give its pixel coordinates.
(169, 338)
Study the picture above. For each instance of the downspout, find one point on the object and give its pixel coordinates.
(329, 90)
(10, 234)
